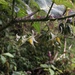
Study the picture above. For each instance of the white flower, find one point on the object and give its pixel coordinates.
(24, 39)
(53, 36)
(32, 39)
(17, 37)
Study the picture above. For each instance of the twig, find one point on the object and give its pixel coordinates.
(55, 57)
(70, 47)
(32, 20)
(65, 46)
(41, 19)
(13, 5)
(32, 14)
(50, 9)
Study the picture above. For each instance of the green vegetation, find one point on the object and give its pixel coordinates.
(33, 42)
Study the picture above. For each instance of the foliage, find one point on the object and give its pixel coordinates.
(25, 46)
(67, 3)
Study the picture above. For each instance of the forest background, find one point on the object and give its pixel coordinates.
(37, 37)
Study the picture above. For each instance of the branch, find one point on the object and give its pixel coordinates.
(18, 20)
(41, 19)
(32, 14)
(50, 9)
(13, 5)
(27, 17)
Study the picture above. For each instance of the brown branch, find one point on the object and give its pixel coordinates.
(50, 9)
(32, 20)
(42, 19)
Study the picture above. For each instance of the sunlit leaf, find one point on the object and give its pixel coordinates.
(36, 25)
(21, 12)
(3, 2)
(44, 65)
(34, 4)
(0, 22)
(51, 71)
(19, 73)
(53, 67)
(21, 8)
(59, 70)
(8, 54)
(16, 73)
(67, 3)
(3, 59)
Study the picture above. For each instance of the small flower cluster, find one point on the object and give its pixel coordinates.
(30, 39)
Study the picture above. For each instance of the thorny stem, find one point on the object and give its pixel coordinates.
(19, 20)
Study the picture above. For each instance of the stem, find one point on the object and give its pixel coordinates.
(65, 43)
(50, 9)
(18, 20)
(13, 5)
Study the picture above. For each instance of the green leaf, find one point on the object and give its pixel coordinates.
(51, 71)
(53, 67)
(0, 22)
(36, 25)
(21, 7)
(3, 59)
(21, 13)
(8, 54)
(19, 73)
(59, 70)
(3, 2)
(44, 66)
(34, 4)
(67, 3)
